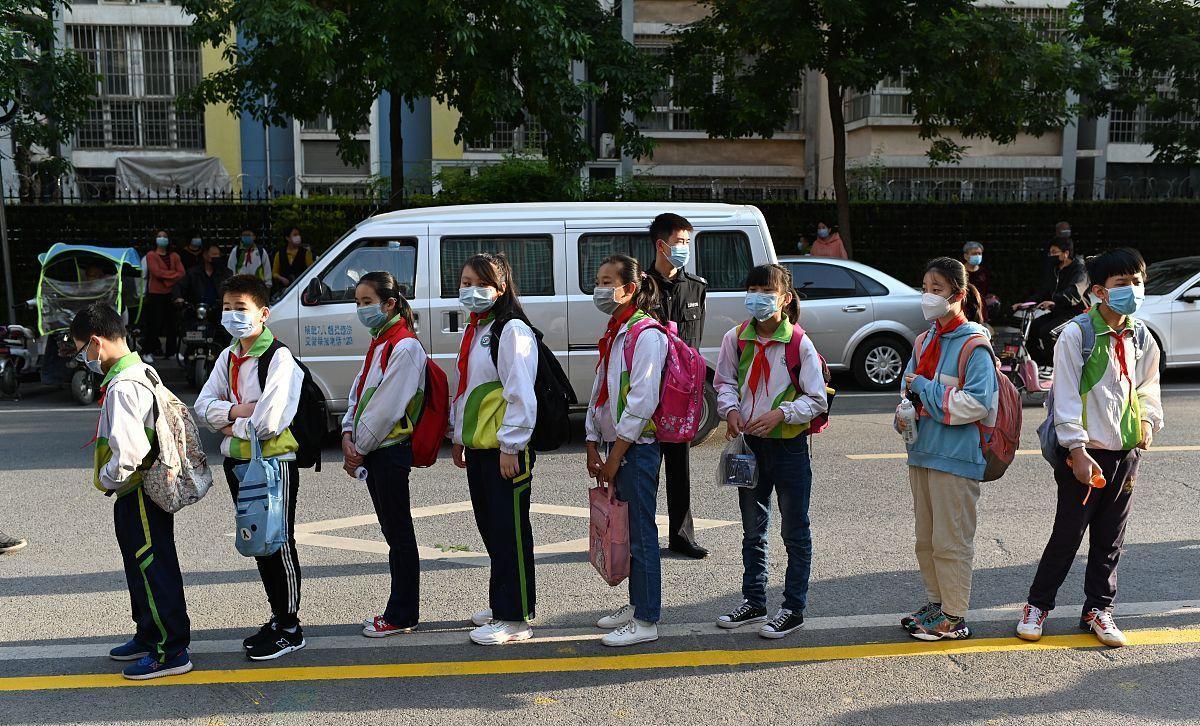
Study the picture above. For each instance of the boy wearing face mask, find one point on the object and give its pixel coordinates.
(124, 449)
(772, 406)
(248, 258)
(681, 299)
(1107, 410)
(232, 402)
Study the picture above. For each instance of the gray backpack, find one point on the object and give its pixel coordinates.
(179, 475)
(1047, 434)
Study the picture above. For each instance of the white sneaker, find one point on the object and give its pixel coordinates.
(623, 615)
(1030, 625)
(483, 617)
(499, 632)
(1101, 623)
(147, 358)
(631, 633)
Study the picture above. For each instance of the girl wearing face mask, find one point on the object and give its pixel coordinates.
(828, 243)
(492, 414)
(291, 261)
(621, 448)
(946, 463)
(385, 401)
(763, 395)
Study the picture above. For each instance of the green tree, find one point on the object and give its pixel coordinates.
(44, 91)
(975, 71)
(1146, 54)
(492, 60)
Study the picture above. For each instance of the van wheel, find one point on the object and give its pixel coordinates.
(879, 362)
(83, 387)
(709, 419)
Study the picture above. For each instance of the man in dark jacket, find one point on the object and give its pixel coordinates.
(1063, 295)
(681, 301)
(202, 283)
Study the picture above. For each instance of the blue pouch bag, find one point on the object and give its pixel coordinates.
(261, 519)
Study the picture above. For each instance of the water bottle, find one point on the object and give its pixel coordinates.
(907, 413)
(361, 473)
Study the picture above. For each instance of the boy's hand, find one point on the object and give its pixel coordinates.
(765, 423)
(1147, 436)
(350, 453)
(733, 425)
(510, 466)
(459, 461)
(241, 410)
(1083, 466)
(227, 431)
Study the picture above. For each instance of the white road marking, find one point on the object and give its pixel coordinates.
(458, 636)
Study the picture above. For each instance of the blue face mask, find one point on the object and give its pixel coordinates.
(1126, 299)
(976, 260)
(92, 365)
(237, 323)
(679, 255)
(247, 240)
(762, 305)
(196, 242)
(477, 300)
(823, 233)
(372, 316)
(162, 242)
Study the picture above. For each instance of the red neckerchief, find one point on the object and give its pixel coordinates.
(397, 332)
(1119, 344)
(464, 350)
(610, 335)
(927, 366)
(236, 362)
(759, 370)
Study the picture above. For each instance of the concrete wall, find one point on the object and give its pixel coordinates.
(222, 128)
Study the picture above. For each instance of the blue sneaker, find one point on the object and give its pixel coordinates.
(149, 667)
(133, 650)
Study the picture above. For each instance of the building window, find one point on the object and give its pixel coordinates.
(142, 72)
(510, 138)
(889, 98)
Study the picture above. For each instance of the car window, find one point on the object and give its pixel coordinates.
(532, 260)
(395, 255)
(873, 287)
(1163, 277)
(595, 248)
(724, 259)
(816, 281)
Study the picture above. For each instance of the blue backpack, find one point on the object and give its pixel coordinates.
(1047, 434)
(261, 519)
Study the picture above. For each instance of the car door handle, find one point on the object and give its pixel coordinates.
(854, 309)
(450, 321)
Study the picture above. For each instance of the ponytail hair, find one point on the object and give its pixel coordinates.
(954, 272)
(779, 279)
(495, 271)
(629, 270)
(385, 286)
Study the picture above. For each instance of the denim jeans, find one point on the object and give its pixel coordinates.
(783, 467)
(637, 484)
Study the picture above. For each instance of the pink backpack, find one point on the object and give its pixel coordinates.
(1000, 431)
(608, 534)
(681, 400)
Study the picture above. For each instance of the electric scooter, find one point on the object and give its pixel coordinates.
(1011, 347)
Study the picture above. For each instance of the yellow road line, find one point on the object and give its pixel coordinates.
(1020, 452)
(641, 661)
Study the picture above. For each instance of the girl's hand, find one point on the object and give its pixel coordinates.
(594, 461)
(908, 379)
(608, 472)
(227, 431)
(733, 425)
(459, 461)
(765, 424)
(509, 465)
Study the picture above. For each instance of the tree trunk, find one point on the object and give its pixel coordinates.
(396, 121)
(841, 193)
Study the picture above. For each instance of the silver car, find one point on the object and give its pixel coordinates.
(860, 319)
(1172, 310)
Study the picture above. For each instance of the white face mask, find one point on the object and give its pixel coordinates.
(934, 306)
(296, 239)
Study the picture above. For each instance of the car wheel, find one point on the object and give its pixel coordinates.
(83, 387)
(709, 418)
(879, 362)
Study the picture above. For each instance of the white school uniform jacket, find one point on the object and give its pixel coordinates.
(391, 398)
(1095, 404)
(632, 394)
(498, 409)
(275, 405)
(251, 261)
(125, 431)
(733, 380)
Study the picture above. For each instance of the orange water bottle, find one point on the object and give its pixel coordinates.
(1097, 482)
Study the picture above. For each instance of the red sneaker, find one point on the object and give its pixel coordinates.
(380, 628)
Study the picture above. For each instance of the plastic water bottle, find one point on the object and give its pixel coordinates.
(907, 413)
(361, 473)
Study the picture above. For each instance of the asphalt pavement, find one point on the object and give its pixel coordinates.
(63, 601)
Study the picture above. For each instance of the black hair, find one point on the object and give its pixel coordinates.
(778, 278)
(208, 245)
(385, 286)
(247, 285)
(954, 272)
(1065, 244)
(291, 229)
(247, 229)
(1122, 261)
(97, 319)
(494, 270)
(667, 224)
(645, 297)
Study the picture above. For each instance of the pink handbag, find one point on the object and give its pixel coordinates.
(608, 534)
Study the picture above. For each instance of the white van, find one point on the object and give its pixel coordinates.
(555, 250)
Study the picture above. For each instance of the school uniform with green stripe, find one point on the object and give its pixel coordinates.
(392, 397)
(145, 533)
(634, 393)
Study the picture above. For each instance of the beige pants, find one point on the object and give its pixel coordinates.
(944, 505)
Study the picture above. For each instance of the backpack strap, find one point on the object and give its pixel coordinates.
(964, 355)
(264, 362)
(1088, 339)
(791, 356)
(635, 331)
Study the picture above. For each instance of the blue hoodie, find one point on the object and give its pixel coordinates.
(947, 434)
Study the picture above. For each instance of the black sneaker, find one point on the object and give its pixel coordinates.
(11, 544)
(265, 633)
(783, 624)
(280, 644)
(744, 614)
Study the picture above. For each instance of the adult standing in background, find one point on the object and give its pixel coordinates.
(681, 300)
(192, 253)
(977, 275)
(291, 260)
(248, 258)
(828, 243)
(165, 270)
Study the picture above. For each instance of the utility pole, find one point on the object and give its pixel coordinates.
(8, 276)
(627, 34)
